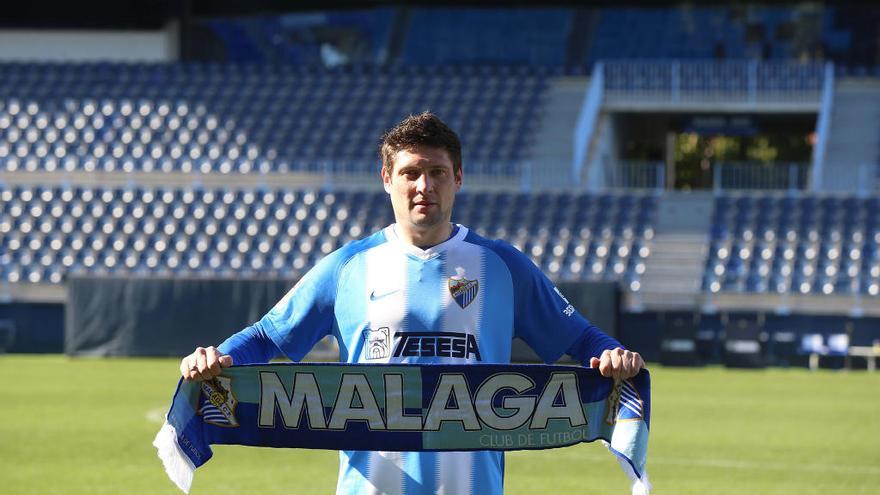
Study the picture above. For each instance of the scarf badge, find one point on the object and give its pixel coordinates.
(218, 403)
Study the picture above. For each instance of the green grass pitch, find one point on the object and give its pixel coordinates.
(85, 426)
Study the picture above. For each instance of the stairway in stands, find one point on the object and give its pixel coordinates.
(674, 269)
(552, 152)
(851, 159)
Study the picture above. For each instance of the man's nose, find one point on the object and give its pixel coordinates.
(424, 183)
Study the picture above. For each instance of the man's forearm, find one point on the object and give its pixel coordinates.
(251, 345)
(591, 344)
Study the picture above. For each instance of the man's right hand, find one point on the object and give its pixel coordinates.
(204, 363)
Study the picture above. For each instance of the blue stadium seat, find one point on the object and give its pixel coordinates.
(218, 116)
(178, 242)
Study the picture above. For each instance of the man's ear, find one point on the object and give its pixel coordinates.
(386, 180)
(458, 180)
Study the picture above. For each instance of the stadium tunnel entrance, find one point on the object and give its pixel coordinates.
(699, 151)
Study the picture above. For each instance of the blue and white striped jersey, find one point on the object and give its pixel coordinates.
(461, 301)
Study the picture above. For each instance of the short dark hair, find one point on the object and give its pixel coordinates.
(424, 129)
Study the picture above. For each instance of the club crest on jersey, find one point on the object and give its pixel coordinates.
(463, 291)
(218, 402)
(377, 343)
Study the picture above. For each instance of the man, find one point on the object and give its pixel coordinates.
(422, 290)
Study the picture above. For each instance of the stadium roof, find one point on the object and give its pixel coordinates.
(153, 14)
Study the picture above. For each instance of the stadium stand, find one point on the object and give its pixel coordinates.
(431, 36)
(311, 93)
(243, 118)
(307, 38)
(802, 244)
(726, 32)
(559, 39)
(454, 36)
(47, 233)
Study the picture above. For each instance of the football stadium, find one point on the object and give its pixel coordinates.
(700, 181)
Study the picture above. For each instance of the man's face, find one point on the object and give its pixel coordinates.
(422, 187)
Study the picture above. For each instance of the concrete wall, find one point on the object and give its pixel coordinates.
(82, 46)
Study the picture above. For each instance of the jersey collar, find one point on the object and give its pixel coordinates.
(431, 252)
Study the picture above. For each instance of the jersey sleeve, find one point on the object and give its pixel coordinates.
(591, 344)
(295, 324)
(543, 317)
(249, 346)
(306, 313)
(302, 317)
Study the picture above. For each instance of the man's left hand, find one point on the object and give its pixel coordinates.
(618, 363)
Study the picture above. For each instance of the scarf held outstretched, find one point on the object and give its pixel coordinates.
(403, 407)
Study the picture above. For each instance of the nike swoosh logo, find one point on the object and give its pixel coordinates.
(379, 295)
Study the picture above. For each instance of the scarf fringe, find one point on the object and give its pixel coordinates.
(640, 485)
(178, 467)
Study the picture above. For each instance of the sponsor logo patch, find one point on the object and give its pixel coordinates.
(434, 344)
(377, 343)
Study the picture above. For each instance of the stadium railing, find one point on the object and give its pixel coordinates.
(756, 175)
(676, 84)
(515, 175)
(635, 174)
(729, 82)
(862, 179)
(586, 122)
(823, 126)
